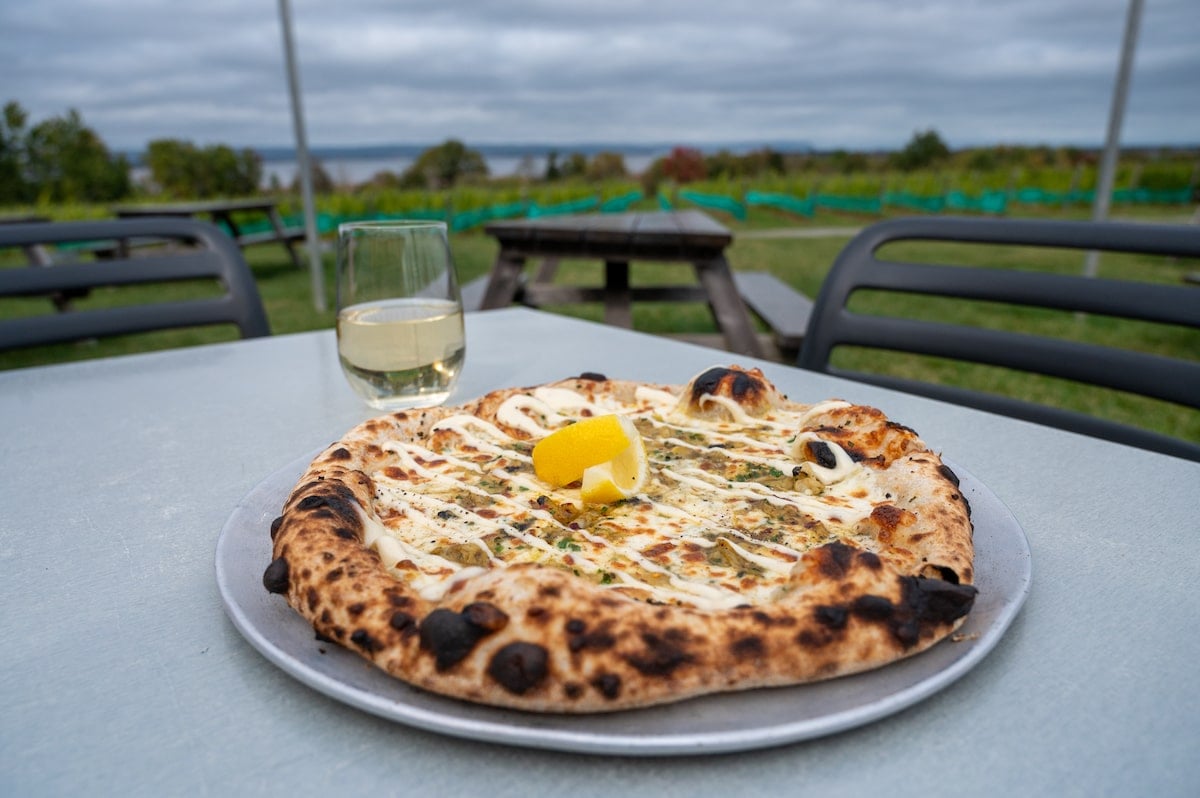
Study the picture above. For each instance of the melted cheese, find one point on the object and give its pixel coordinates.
(720, 523)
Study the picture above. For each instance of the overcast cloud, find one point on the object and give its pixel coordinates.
(834, 73)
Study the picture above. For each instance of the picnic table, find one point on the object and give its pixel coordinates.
(36, 254)
(222, 212)
(617, 239)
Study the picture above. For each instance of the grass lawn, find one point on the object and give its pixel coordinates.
(802, 262)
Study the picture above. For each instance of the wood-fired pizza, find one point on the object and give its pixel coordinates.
(759, 542)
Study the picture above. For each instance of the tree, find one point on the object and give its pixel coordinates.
(606, 166)
(181, 169)
(65, 161)
(684, 165)
(13, 186)
(923, 150)
(575, 166)
(444, 165)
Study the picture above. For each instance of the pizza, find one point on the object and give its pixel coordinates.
(768, 543)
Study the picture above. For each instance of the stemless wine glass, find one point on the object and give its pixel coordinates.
(399, 321)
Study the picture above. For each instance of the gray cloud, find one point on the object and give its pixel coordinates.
(853, 74)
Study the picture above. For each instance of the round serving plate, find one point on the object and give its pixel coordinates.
(718, 723)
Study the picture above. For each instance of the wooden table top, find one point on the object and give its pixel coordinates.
(678, 233)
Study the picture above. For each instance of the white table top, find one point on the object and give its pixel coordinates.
(122, 674)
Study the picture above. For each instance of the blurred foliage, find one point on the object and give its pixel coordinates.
(444, 166)
(57, 160)
(180, 169)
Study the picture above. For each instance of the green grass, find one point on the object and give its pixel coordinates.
(802, 262)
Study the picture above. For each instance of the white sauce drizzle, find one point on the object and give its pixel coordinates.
(703, 517)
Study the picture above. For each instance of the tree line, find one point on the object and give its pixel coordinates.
(62, 160)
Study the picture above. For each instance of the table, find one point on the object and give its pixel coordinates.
(223, 211)
(618, 238)
(123, 676)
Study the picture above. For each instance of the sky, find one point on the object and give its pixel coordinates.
(832, 74)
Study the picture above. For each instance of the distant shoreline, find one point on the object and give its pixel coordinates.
(503, 151)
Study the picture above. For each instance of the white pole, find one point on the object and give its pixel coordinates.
(316, 270)
(1112, 146)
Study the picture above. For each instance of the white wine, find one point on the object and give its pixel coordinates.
(400, 353)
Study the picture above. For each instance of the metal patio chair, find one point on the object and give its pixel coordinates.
(128, 252)
(857, 268)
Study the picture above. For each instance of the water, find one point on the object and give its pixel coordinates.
(350, 170)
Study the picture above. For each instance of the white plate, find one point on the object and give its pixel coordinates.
(729, 722)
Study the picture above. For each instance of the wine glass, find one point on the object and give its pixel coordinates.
(399, 313)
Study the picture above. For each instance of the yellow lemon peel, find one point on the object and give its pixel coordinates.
(605, 452)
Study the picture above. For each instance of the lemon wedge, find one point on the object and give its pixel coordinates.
(606, 452)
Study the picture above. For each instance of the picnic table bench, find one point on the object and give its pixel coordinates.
(618, 239)
(222, 212)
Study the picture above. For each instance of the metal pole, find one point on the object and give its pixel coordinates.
(1112, 146)
(316, 270)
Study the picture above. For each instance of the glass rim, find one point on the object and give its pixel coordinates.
(390, 224)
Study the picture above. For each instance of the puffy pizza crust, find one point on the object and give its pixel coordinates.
(539, 638)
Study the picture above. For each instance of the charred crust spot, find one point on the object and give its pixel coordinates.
(816, 638)
(572, 690)
(937, 601)
(275, 578)
(345, 533)
(356, 608)
(399, 599)
(949, 474)
(598, 641)
(314, 598)
(321, 638)
(874, 608)
(576, 626)
(549, 590)
(593, 376)
(900, 427)
(485, 616)
(401, 621)
(741, 386)
(334, 575)
(608, 685)
(341, 453)
(451, 636)
(519, 667)
(820, 453)
(662, 656)
(831, 616)
(536, 613)
(870, 559)
(924, 603)
(834, 559)
(337, 502)
(362, 638)
(747, 647)
(278, 522)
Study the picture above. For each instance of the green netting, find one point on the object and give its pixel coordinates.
(851, 204)
(786, 202)
(985, 202)
(621, 203)
(716, 202)
(557, 209)
(916, 202)
(1145, 196)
